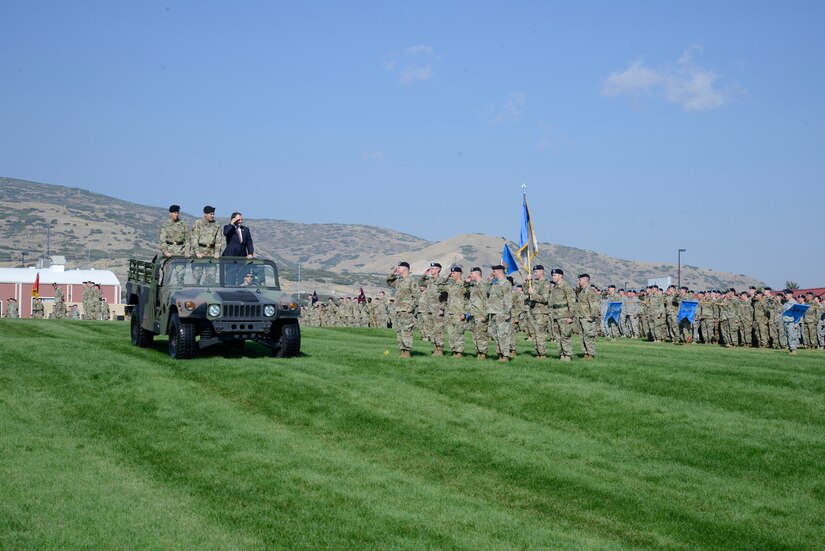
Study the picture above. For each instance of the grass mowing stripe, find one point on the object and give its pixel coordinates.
(345, 446)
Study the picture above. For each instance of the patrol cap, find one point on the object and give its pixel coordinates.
(208, 209)
(404, 264)
(556, 271)
(498, 267)
(435, 265)
(538, 267)
(475, 269)
(584, 275)
(174, 208)
(456, 269)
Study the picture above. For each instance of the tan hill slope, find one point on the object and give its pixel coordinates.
(95, 230)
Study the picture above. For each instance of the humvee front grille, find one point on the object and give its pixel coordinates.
(242, 311)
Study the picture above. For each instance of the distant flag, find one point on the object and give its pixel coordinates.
(36, 288)
(508, 261)
(314, 297)
(797, 312)
(687, 309)
(528, 246)
(362, 298)
(614, 310)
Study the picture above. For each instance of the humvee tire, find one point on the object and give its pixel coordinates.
(140, 336)
(290, 340)
(182, 344)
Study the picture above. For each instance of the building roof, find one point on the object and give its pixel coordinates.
(48, 276)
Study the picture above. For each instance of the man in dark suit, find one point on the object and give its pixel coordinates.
(238, 238)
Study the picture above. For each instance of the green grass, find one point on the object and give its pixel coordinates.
(103, 445)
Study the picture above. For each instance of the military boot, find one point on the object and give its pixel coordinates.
(438, 351)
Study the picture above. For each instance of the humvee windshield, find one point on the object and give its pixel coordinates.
(203, 272)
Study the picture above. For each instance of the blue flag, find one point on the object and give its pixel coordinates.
(687, 309)
(797, 311)
(614, 310)
(528, 246)
(508, 261)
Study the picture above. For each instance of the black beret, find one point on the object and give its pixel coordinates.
(404, 264)
(584, 275)
(538, 267)
(752, 287)
(456, 269)
(611, 286)
(556, 271)
(498, 267)
(208, 209)
(174, 208)
(435, 265)
(732, 290)
(788, 292)
(768, 289)
(475, 269)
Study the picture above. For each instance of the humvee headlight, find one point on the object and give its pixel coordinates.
(214, 310)
(269, 310)
(190, 305)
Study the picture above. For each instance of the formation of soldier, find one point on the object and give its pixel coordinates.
(750, 318)
(497, 310)
(360, 311)
(94, 303)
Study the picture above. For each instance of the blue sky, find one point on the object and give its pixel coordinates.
(639, 128)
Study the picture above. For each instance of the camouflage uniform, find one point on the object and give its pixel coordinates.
(454, 314)
(587, 314)
(760, 322)
(745, 313)
(539, 292)
(563, 306)
(791, 328)
(59, 311)
(105, 312)
(174, 239)
(728, 321)
(205, 241)
(499, 306)
(656, 316)
(614, 329)
(431, 310)
(477, 305)
(12, 310)
(706, 318)
(406, 290)
(671, 313)
(809, 323)
(37, 308)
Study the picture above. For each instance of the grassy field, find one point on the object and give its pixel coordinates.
(103, 445)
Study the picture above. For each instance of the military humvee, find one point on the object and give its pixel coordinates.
(200, 302)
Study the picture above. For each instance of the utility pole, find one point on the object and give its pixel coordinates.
(679, 273)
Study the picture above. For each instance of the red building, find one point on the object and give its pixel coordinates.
(19, 282)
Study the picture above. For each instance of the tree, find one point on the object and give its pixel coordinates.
(792, 285)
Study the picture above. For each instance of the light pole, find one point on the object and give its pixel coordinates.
(679, 275)
(22, 259)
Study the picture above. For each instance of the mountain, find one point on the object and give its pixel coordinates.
(94, 230)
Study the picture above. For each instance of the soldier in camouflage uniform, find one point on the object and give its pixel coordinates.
(205, 240)
(791, 327)
(430, 308)
(630, 313)
(455, 310)
(12, 310)
(538, 291)
(728, 319)
(406, 289)
(644, 316)
(587, 315)
(499, 308)
(105, 311)
(810, 321)
(517, 316)
(760, 320)
(778, 323)
(477, 306)
(820, 327)
(37, 308)
(174, 240)
(745, 312)
(562, 308)
(59, 311)
(671, 300)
